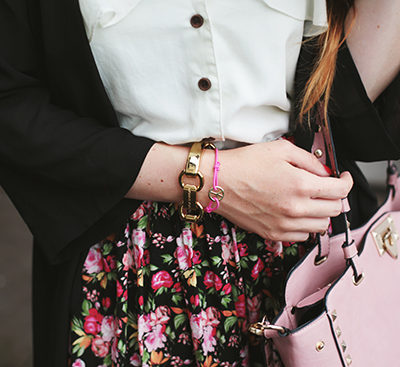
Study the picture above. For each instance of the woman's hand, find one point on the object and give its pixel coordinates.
(275, 189)
(279, 191)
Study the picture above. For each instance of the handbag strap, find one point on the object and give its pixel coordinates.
(350, 251)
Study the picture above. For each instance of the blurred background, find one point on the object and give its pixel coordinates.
(15, 276)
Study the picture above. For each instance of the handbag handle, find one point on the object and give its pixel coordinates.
(350, 251)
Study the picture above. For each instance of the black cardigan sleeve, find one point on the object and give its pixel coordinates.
(64, 173)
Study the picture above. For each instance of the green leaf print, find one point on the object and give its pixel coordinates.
(143, 222)
(167, 259)
(260, 245)
(253, 257)
(176, 298)
(107, 247)
(291, 250)
(240, 236)
(146, 356)
(121, 346)
(229, 322)
(225, 301)
(153, 267)
(112, 276)
(77, 324)
(107, 360)
(179, 320)
(86, 306)
(216, 260)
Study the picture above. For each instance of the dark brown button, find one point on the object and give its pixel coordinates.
(204, 84)
(196, 21)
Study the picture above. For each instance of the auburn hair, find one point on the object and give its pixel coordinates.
(319, 85)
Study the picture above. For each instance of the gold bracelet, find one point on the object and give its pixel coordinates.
(190, 209)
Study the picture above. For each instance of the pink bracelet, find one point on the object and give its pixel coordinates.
(216, 193)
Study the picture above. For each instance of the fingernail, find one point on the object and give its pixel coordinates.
(327, 169)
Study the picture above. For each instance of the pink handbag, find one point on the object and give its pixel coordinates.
(343, 298)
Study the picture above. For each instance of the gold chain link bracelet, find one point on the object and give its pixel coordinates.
(190, 209)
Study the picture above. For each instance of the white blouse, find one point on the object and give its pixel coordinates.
(182, 70)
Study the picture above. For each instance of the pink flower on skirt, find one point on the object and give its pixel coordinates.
(93, 322)
(94, 260)
(108, 328)
(257, 269)
(156, 338)
(100, 347)
(161, 279)
(209, 341)
(79, 363)
(240, 306)
(212, 280)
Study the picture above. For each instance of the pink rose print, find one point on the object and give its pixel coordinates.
(196, 259)
(242, 249)
(156, 338)
(226, 249)
(94, 260)
(144, 326)
(100, 347)
(106, 302)
(178, 287)
(212, 280)
(139, 240)
(109, 264)
(227, 288)
(194, 300)
(240, 306)
(146, 257)
(79, 363)
(161, 315)
(197, 323)
(209, 341)
(135, 360)
(127, 260)
(275, 247)
(253, 305)
(184, 251)
(93, 322)
(121, 292)
(108, 328)
(258, 267)
(161, 279)
(212, 316)
(187, 237)
(138, 213)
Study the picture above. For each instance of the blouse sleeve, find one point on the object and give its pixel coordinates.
(67, 175)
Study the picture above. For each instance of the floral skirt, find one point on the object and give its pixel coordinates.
(170, 293)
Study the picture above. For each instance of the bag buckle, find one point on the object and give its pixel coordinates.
(386, 236)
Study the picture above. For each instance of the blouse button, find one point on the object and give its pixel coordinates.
(204, 84)
(196, 21)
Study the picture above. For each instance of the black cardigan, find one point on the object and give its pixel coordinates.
(67, 165)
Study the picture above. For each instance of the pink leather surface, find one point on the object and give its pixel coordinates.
(367, 315)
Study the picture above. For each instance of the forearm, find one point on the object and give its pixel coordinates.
(373, 42)
(158, 176)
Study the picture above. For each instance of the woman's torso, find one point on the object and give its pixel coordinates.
(182, 71)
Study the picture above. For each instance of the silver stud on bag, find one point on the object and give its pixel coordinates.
(318, 153)
(344, 346)
(338, 332)
(320, 345)
(334, 315)
(349, 361)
